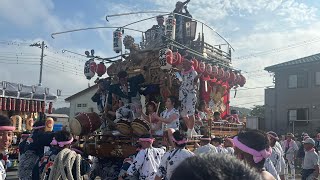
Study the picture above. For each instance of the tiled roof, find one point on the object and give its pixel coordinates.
(304, 60)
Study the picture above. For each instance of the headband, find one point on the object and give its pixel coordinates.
(150, 140)
(257, 155)
(61, 143)
(183, 141)
(38, 127)
(205, 139)
(272, 136)
(7, 128)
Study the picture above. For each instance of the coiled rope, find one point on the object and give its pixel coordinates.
(62, 166)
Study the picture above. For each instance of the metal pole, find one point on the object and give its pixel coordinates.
(41, 63)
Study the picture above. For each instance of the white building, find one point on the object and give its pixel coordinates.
(81, 101)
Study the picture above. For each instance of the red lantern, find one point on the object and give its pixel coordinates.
(238, 79)
(101, 69)
(13, 104)
(226, 75)
(201, 67)
(169, 56)
(9, 104)
(214, 72)
(31, 106)
(220, 73)
(23, 105)
(242, 81)
(208, 69)
(50, 108)
(19, 105)
(43, 106)
(39, 106)
(176, 58)
(35, 106)
(232, 78)
(4, 104)
(27, 106)
(195, 63)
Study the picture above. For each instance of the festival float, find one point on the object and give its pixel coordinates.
(24, 104)
(159, 56)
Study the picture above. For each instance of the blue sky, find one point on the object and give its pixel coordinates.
(251, 26)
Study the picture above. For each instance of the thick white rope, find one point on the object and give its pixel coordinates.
(62, 166)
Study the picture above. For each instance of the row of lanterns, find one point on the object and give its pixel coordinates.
(22, 105)
(91, 68)
(168, 58)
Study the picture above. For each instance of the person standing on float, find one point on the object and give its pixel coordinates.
(188, 94)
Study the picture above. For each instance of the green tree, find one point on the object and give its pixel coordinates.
(258, 111)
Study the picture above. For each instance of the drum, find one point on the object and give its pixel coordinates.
(85, 123)
(124, 127)
(140, 127)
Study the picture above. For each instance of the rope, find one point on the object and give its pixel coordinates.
(63, 164)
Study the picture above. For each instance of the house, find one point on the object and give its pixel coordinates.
(81, 101)
(60, 119)
(293, 105)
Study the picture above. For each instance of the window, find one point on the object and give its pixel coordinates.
(317, 78)
(78, 105)
(293, 80)
(299, 80)
(298, 114)
(84, 105)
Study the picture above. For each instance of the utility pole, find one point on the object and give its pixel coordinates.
(41, 46)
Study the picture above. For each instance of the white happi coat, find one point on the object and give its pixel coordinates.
(171, 160)
(271, 169)
(209, 148)
(2, 172)
(289, 154)
(146, 163)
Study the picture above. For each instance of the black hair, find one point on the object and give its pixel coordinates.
(5, 121)
(255, 139)
(233, 111)
(174, 101)
(62, 136)
(214, 167)
(122, 74)
(218, 140)
(178, 135)
(216, 113)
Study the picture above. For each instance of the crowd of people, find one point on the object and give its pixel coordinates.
(252, 154)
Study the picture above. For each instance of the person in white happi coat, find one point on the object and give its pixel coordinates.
(188, 94)
(173, 158)
(217, 142)
(277, 154)
(6, 134)
(229, 146)
(147, 160)
(310, 165)
(206, 147)
(169, 118)
(290, 148)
